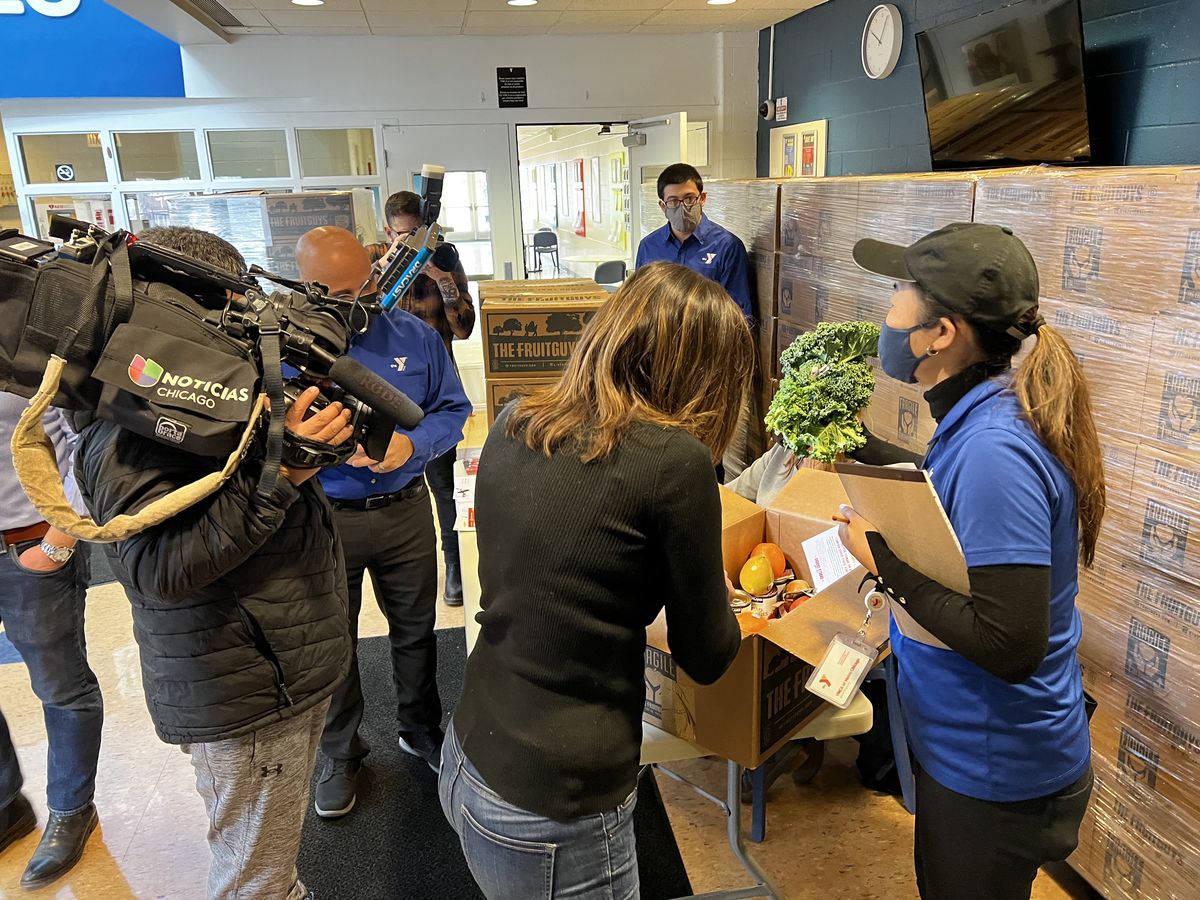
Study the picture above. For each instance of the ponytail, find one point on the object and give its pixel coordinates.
(1054, 394)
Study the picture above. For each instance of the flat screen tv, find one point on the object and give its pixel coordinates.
(1007, 87)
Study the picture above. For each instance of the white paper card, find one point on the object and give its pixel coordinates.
(828, 559)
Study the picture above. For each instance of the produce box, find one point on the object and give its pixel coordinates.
(500, 391)
(747, 208)
(898, 413)
(1171, 414)
(766, 284)
(523, 339)
(537, 291)
(756, 707)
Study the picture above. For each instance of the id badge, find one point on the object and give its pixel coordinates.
(842, 669)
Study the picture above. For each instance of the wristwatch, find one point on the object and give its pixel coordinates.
(57, 554)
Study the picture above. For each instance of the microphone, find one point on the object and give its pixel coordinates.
(364, 384)
(431, 192)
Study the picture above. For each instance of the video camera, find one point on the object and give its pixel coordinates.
(399, 270)
(180, 351)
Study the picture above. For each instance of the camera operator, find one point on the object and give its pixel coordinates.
(385, 519)
(239, 609)
(42, 587)
(442, 300)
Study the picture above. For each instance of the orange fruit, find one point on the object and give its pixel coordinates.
(757, 577)
(774, 553)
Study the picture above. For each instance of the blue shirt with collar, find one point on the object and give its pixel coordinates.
(1011, 502)
(710, 250)
(412, 357)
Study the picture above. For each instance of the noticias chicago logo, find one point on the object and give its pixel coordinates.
(55, 9)
(144, 372)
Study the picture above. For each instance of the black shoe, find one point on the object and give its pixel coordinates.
(454, 589)
(338, 788)
(425, 745)
(61, 847)
(16, 820)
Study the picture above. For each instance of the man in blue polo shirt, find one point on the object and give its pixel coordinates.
(692, 239)
(383, 514)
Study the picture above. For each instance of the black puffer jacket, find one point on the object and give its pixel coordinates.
(239, 605)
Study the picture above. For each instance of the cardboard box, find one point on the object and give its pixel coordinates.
(524, 339)
(898, 413)
(753, 709)
(766, 284)
(1143, 629)
(815, 289)
(1171, 413)
(768, 359)
(1114, 350)
(902, 209)
(817, 217)
(1165, 510)
(500, 391)
(1134, 845)
(747, 208)
(785, 333)
(537, 291)
(1116, 238)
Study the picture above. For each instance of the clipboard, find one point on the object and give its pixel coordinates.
(905, 508)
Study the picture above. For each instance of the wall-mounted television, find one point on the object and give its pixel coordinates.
(1007, 87)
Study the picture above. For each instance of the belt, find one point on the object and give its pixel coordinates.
(414, 488)
(29, 533)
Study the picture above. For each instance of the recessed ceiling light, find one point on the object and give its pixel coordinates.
(710, 2)
(522, 2)
(309, 2)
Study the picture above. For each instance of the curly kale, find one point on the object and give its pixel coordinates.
(826, 383)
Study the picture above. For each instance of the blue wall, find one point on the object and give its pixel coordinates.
(1142, 60)
(97, 51)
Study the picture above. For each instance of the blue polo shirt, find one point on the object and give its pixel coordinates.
(411, 356)
(710, 250)
(1011, 503)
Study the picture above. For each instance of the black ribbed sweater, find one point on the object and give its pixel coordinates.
(574, 562)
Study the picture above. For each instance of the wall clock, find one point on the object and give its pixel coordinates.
(882, 38)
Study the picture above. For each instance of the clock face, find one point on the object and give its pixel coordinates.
(881, 42)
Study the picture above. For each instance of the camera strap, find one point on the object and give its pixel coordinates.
(37, 469)
(112, 257)
(270, 338)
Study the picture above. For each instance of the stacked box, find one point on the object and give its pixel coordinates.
(530, 329)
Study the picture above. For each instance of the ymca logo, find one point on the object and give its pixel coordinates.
(708, 258)
(400, 364)
(144, 372)
(55, 9)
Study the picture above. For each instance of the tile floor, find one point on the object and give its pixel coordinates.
(829, 839)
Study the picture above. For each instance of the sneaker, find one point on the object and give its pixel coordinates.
(424, 745)
(336, 791)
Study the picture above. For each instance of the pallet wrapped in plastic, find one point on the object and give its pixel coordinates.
(748, 208)
(1141, 835)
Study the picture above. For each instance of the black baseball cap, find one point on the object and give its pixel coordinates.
(983, 272)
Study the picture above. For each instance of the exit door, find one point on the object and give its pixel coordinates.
(479, 211)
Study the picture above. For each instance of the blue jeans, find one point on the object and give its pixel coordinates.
(518, 855)
(43, 618)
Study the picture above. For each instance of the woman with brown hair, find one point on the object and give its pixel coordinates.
(596, 507)
(993, 701)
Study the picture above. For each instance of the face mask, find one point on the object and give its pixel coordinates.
(685, 220)
(895, 353)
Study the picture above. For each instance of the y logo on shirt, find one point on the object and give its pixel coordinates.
(400, 364)
(708, 258)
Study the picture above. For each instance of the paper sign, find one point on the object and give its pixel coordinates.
(828, 559)
(781, 109)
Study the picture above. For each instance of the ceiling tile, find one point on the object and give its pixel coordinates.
(627, 18)
(502, 6)
(326, 31)
(591, 29)
(316, 18)
(401, 20)
(500, 31)
(329, 6)
(409, 5)
(267, 29)
(251, 18)
(526, 19)
(605, 5)
(674, 29)
(711, 18)
(417, 31)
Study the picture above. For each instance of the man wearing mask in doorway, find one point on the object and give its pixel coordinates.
(442, 301)
(692, 239)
